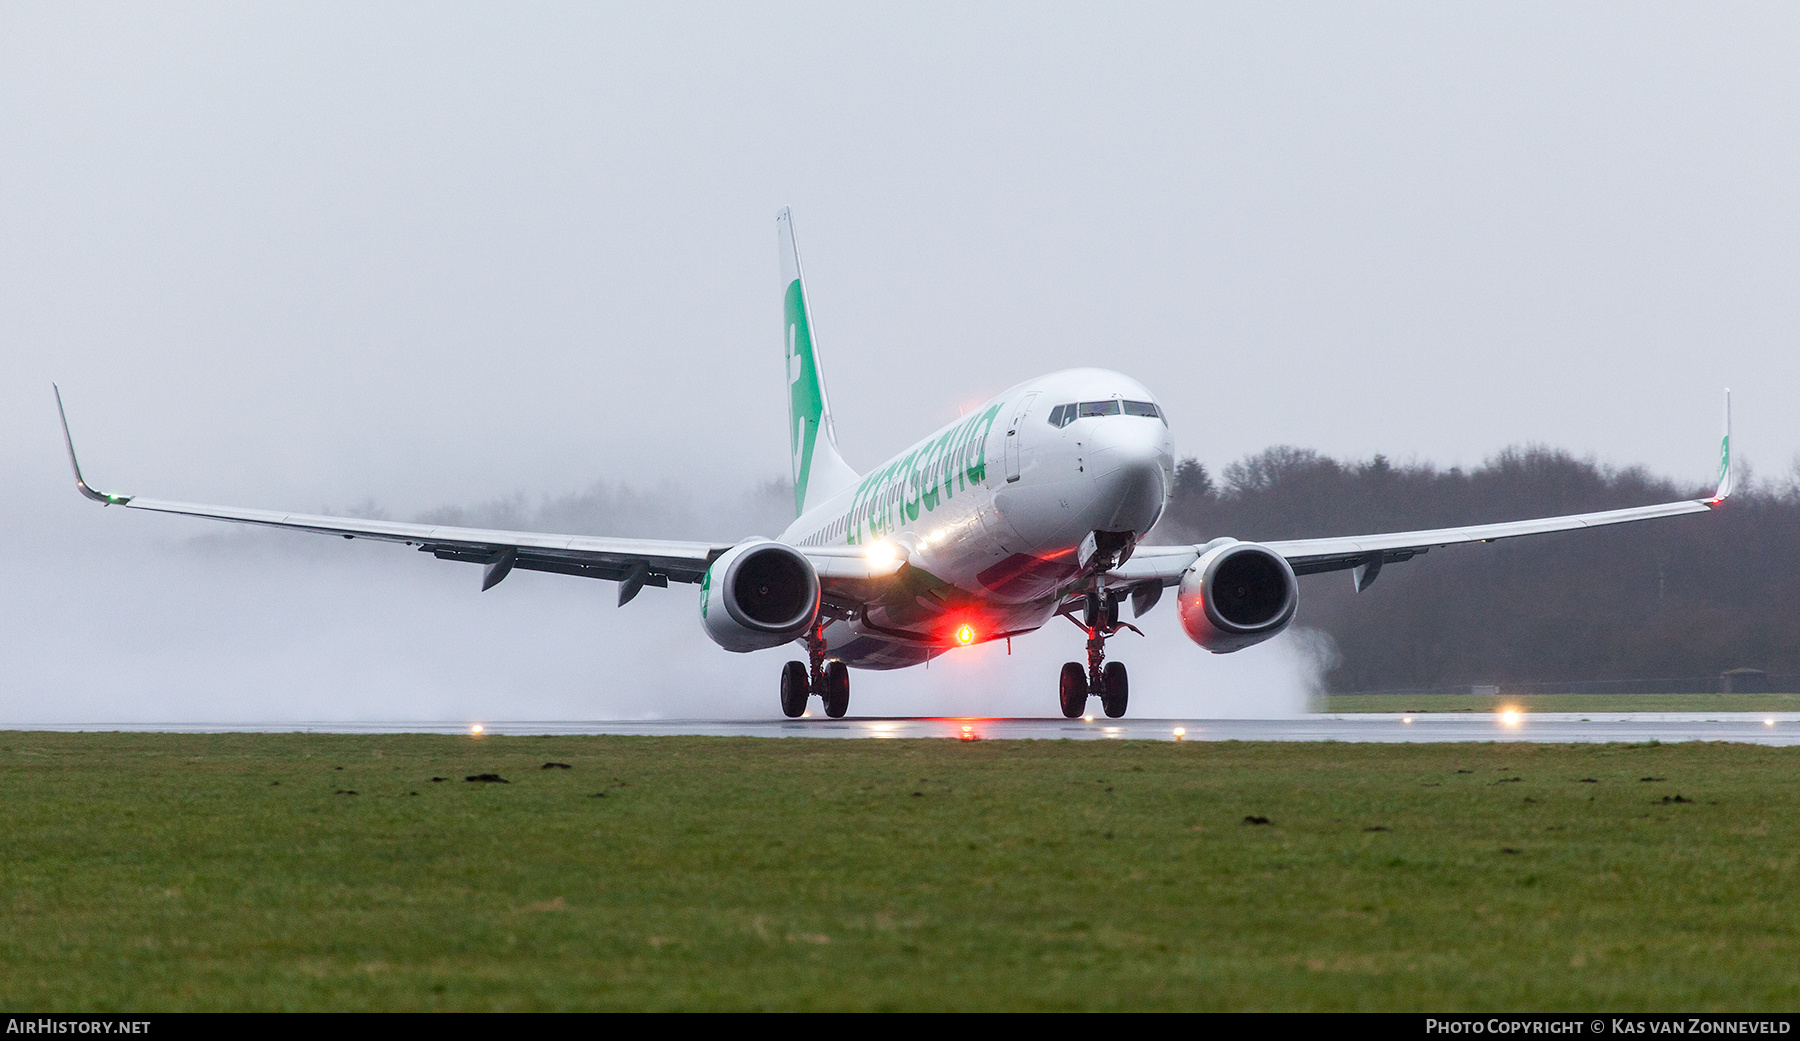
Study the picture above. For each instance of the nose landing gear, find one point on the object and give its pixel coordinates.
(830, 680)
(1108, 681)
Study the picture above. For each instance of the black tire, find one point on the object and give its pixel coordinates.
(837, 689)
(793, 689)
(1072, 690)
(1115, 689)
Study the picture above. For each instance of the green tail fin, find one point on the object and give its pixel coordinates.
(819, 472)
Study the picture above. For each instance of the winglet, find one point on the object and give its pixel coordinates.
(1725, 474)
(100, 497)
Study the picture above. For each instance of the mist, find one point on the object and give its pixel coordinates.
(169, 620)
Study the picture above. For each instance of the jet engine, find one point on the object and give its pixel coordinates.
(1237, 594)
(759, 594)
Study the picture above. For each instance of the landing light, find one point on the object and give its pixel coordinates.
(968, 733)
(882, 553)
(476, 730)
(965, 634)
(1406, 719)
(1509, 717)
(1180, 732)
(1768, 722)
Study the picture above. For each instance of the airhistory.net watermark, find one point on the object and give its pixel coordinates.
(75, 1025)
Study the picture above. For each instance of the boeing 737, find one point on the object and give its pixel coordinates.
(1034, 505)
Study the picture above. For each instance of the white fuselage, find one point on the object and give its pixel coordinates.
(990, 512)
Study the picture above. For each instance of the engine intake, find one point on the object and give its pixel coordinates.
(1236, 595)
(759, 594)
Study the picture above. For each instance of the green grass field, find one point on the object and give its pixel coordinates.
(1345, 703)
(158, 871)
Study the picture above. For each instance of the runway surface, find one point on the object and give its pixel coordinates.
(1776, 728)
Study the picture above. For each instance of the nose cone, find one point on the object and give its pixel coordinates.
(1132, 459)
(1089, 473)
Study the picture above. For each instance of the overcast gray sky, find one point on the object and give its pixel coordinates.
(316, 254)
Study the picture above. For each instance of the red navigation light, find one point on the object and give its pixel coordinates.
(965, 634)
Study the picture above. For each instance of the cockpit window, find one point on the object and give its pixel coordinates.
(1063, 415)
(1145, 408)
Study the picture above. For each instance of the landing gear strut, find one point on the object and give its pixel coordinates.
(830, 680)
(1100, 617)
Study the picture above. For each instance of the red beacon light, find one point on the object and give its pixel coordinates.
(965, 634)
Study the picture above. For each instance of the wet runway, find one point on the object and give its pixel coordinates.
(1777, 728)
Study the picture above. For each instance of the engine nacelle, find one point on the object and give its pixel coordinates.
(759, 594)
(1237, 594)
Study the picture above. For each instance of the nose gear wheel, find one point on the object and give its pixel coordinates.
(1107, 681)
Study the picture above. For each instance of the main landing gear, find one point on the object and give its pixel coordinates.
(1100, 617)
(829, 680)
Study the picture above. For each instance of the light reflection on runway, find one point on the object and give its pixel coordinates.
(1762, 728)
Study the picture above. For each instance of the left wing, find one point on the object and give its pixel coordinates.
(633, 563)
(1367, 553)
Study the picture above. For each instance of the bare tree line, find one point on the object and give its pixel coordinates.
(1689, 596)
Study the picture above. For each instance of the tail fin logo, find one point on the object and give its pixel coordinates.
(806, 398)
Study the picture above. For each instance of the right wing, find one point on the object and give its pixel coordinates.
(633, 563)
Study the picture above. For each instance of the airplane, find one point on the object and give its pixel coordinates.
(1032, 506)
